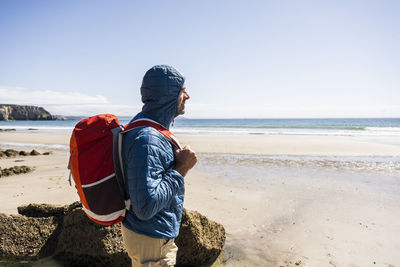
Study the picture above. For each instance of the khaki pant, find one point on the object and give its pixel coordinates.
(147, 251)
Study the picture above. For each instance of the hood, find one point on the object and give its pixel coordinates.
(160, 90)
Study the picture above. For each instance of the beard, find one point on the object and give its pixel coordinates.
(181, 109)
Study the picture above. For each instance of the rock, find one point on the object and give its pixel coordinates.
(60, 117)
(19, 112)
(34, 232)
(77, 241)
(26, 238)
(26, 169)
(7, 130)
(85, 243)
(11, 153)
(47, 210)
(48, 153)
(200, 240)
(34, 153)
(16, 170)
(7, 172)
(23, 153)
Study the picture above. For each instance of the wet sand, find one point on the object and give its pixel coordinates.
(305, 214)
(279, 208)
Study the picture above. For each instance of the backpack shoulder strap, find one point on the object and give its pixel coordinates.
(147, 122)
(135, 124)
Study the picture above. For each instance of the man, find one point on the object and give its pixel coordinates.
(155, 172)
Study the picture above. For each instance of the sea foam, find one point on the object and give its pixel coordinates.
(43, 146)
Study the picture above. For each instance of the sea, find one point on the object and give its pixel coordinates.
(373, 127)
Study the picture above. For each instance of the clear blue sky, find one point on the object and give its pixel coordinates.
(242, 59)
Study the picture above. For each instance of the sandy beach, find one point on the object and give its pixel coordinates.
(284, 200)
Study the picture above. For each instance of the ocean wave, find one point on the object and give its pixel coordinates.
(368, 131)
(43, 146)
(43, 129)
(384, 129)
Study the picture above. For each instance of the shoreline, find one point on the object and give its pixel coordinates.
(285, 145)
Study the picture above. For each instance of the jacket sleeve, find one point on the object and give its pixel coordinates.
(151, 184)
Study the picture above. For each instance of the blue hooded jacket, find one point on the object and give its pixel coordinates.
(156, 190)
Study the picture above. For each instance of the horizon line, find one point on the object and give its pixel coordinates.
(246, 118)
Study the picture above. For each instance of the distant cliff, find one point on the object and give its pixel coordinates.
(18, 112)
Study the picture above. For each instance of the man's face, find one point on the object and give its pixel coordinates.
(183, 96)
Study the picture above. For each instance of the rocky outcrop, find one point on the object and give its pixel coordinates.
(85, 243)
(18, 112)
(26, 238)
(11, 153)
(47, 210)
(15, 170)
(200, 240)
(67, 234)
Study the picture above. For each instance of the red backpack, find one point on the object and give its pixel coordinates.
(96, 165)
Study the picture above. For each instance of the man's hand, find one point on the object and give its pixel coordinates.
(185, 159)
